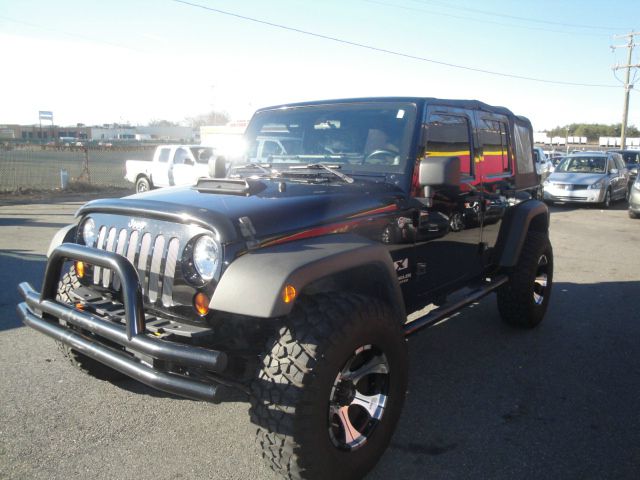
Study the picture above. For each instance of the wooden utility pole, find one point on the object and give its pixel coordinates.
(627, 85)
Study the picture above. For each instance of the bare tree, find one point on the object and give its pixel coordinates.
(212, 118)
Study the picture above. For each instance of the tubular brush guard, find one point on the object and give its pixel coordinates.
(42, 312)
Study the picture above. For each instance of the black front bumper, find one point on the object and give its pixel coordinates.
(42, 312)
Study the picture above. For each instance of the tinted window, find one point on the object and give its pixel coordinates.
(619, 162)
(358, 136)
(522, 141)
(631, 157)
(494, 141)
(271, 147)
(449, 136)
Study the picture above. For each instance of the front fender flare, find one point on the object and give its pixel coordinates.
(253, 284)
(64, 235)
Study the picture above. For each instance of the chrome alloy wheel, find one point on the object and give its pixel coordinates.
(540, 282)
(358, 398)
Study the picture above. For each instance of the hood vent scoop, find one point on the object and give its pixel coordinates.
(242, 187)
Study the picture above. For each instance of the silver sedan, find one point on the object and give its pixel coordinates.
(588, 178)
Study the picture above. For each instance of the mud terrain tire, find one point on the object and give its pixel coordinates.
(88, 365)
(524, 299)
(332, 355)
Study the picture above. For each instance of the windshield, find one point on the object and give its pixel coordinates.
(367, 137)
(583, 164)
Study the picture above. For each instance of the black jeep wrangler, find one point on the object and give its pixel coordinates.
(290, 273)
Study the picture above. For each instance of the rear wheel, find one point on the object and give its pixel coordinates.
(330, 388)
(143, 185)
(88, 365)
(524, 299)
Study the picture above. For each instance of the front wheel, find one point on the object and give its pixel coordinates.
(606, 203)
(330, 388)
(68, 283)
(524, 299)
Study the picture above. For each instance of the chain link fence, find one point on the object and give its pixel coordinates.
(44, 167)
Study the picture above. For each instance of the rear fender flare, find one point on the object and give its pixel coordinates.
(528, 215)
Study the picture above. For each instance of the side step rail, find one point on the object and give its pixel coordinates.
(446, 310)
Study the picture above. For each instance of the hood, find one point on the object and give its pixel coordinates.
(576, 178)
(273, 211)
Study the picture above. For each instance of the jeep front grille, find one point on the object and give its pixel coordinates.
(154, 255)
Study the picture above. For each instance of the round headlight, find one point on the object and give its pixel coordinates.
(89, 233)
(206, 257)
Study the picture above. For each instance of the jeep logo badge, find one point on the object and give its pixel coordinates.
(136, 224)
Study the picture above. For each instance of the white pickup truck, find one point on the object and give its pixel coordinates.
(171, 165)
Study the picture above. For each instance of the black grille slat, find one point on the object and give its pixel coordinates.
(132, 249)
(145, 247)
(154, 268)
(100, 244)
(111, 244)
(120, 247)
(169, 271)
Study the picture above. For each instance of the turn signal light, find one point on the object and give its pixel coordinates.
(289, 293)
(201, 303)
(80, 269)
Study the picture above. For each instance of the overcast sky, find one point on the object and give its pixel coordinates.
(133, 61)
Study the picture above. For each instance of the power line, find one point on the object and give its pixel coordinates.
(390, 52)
(515, 17)
(69, 34)
(462, 17)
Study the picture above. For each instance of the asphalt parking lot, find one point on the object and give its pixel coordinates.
(485, 401)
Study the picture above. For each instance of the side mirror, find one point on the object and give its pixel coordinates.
(634, 171)
(439, 172)
(614, 171)
(217, 167)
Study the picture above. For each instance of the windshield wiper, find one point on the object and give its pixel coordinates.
(264, 168)
(322, 166)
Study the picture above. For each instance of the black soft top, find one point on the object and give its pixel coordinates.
(420, 101)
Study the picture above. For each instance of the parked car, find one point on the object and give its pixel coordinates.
(632, 160)
(544, 167)
(171, 165)
(589, 178)
(634, 198)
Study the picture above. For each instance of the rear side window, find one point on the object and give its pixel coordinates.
(164, 155)
(181, 156)
(449, 136)
(523, 148)
(495, 147)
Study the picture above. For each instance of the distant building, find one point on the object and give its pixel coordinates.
(112, 133)
(170, 134)
(37, 133)
(107, 132)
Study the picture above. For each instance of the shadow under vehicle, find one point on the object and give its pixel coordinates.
(290, 275)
